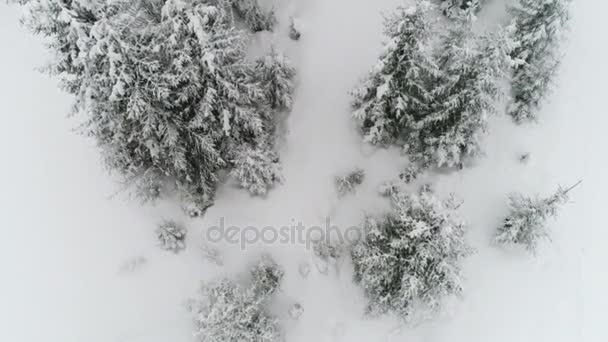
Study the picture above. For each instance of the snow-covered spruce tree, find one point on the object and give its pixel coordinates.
(277, 78)
(539, 32)
(166, 87)
(526, 225)
(228, 312)
(411, 258)
(398, 91)
(468, 90)
(348, 183)
(254, 15)
(257, 170)
(266, 276)
(435, 105)
(171, 236)
(461, 8)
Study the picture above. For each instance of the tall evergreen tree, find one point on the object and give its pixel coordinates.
(539, 32)
(412, 255)
(467, 92)
(434, 104)
(169, 94)
(398, 91)
(526, 225)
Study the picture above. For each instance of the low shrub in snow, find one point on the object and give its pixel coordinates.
(171, 236)
(347, 184)
(228, 312)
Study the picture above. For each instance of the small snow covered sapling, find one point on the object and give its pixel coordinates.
(304, 269)
(227, 311)
(461, 8)
(524, 158)
(526, 225)
(295, 32)
(212, 254)
(171, 236)
(387, 189)
(266, 276)
(410, 173)
(411, 255)
(326, 253)
(296, 311)
(257, 170)
(347, 184)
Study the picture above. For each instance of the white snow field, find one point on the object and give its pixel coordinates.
(79, 262)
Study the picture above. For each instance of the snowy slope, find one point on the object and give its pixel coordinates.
(67, 238)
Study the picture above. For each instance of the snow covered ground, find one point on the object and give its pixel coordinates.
(69, 244)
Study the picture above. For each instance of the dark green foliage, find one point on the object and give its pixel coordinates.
(167, 90)
(411, 256)
(348, 184)
(526, 225)
(539, 26)
(435, 104)
(228, 312)
(253, 15)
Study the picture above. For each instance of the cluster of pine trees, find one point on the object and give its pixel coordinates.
(175, 104)
(168, 92)
(433, 96)
(432, 93)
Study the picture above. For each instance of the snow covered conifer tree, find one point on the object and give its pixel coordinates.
(411, 257)
(347, 183)
(398, 91)
(461, 8)
(277, 78)
(228, 312)
(469, 88)
(171, 236)
(168, 92)
(435, 105)
(539, 32)
(266, 276)
(253, 15)
(257, 170)
(526, 225)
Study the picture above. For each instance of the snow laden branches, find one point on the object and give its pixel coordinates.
(253, 15)
(171, 236)
(227, 311)
(348, 183)
(167, 90)
(433, 103)
(462, 9)
(539, 31)
(409, 260)
(526, 225)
